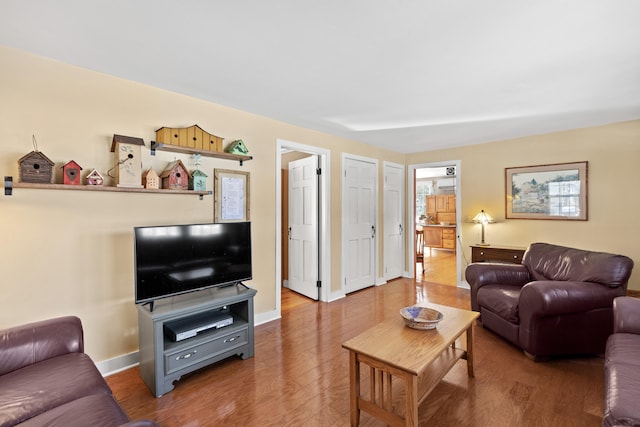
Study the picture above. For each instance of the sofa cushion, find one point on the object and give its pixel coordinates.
(501, 300)
(551, 262)
(97, 410)
(623, 348)
(40, 387)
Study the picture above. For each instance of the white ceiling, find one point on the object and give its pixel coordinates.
(408, 75)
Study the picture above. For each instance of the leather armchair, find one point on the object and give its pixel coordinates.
(557, 302)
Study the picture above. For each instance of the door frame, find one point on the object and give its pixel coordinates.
(377, 280)
(324, 162)
(411, 207)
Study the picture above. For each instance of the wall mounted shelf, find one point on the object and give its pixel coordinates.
(188, 150)
(9, 185)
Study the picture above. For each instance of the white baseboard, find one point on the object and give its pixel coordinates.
(118, 363)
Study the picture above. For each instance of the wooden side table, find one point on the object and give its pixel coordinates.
(505, 254)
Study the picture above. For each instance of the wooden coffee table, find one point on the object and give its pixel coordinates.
(416, 359)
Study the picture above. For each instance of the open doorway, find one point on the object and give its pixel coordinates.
(436, 218)
(288, 152)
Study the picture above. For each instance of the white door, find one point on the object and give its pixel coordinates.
(359, 222)
(393, 221)
(303, 226)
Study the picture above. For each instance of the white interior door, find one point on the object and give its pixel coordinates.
(303, 226)
(393, 221)
(359, 222)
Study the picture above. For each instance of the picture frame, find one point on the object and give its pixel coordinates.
(231, 195)
(555, 191)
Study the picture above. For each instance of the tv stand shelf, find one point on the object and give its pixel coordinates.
(164, 361)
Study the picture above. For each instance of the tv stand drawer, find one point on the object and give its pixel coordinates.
(174, 361)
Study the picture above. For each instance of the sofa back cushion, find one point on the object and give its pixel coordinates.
(551, 262)
(30, 343)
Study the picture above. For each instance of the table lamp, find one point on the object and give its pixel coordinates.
(482, 218)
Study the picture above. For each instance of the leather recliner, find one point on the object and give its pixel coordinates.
(557, 302)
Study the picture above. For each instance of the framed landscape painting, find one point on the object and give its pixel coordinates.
(557, 191)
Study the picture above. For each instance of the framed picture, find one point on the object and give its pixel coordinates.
(230, 196)
(557, 191)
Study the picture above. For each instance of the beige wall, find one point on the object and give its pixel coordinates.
(613, 153)
(69, 252)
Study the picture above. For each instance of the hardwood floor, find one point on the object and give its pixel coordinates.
(299, 375)
(439, 267)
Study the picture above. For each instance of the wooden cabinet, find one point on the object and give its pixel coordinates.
(439, 237)
(505, 254)
(442, 205)
(431, 206)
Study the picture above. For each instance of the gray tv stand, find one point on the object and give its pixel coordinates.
(164, 361)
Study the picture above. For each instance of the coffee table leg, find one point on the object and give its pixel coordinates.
(354, 388)
(470, 350)
(411, 401)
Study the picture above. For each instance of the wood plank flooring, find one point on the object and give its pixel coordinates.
(299, 375)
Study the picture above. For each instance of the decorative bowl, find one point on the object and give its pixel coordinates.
(421, 317)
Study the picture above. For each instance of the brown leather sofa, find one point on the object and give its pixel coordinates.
(559, 301)
(46, 379)
(622, 366)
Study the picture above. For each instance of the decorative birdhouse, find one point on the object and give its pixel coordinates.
(94, 178)
(237, 147)
(71, 174)
(36, 167)
(198, 181)
(175, 176)
(128, 155)
(192, 137)
(150, 179)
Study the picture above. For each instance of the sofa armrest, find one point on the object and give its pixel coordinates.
(551, 298)
(27, 344)
(626, 315)
(479, 274)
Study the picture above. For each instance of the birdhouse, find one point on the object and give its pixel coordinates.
(192, 137)
(36, 167)
(150, 179)
(175, 176)
(94, 178)
(198, 181)
(237, 147)
(128, 155)
(71, 174)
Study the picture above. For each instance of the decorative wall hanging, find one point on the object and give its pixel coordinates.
(556, 191)
(231, 196)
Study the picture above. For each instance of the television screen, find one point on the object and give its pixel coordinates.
(175, 259)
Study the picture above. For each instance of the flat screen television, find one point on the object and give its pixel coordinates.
(176, 259)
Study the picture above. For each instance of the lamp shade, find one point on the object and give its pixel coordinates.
(482, 218)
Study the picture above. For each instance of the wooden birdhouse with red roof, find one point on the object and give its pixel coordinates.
(150, 179)
(71, 174)
(175, 176)
(36, 167)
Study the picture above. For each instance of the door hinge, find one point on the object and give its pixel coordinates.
(318, 171)
(318, 284)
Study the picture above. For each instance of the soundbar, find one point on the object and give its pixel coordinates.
(181, 329)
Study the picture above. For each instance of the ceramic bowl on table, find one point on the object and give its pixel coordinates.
(421, 317)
